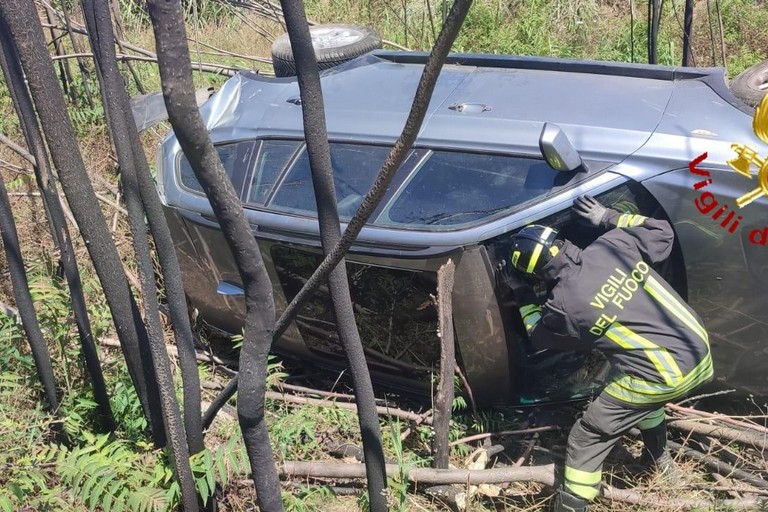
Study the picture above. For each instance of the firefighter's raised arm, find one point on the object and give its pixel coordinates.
(652, 237)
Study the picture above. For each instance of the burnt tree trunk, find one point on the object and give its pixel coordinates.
(25, 111)
(25, 32)
(179, 94)
(318, 151)
(687, 29)
(115, 100)
(371, 200)
(140, 189)
(24, 300)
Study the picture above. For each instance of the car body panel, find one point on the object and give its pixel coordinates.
(637, 127)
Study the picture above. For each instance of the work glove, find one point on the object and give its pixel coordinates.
(590, 209)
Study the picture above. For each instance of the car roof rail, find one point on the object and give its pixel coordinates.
(637, 70)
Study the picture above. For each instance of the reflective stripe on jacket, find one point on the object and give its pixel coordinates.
(609, 297)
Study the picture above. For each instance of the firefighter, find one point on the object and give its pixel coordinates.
(608, 297)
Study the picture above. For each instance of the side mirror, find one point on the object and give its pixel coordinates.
(558, 150)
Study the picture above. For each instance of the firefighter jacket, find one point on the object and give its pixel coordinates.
(608, 297)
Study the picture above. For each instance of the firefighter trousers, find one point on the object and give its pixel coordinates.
(593, 436)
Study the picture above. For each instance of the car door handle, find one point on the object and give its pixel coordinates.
(229, 289)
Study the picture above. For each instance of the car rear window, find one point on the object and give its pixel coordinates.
(453, 188)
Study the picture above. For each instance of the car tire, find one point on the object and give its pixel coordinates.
(751, 84)
(334, 44)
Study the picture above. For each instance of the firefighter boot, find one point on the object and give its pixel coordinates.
(567, 502)
(655, 453)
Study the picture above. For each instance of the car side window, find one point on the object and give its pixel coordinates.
(355, 167)
(454, 188)
(234, 157)
(274, 156)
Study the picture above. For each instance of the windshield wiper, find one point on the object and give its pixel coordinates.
(449, 215)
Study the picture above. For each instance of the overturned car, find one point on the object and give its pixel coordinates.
(507, 141)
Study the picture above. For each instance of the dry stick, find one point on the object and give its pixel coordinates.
(315, 469)
(719, 466)
(731, 434)
(26, 155)
(711, 34)
(115, 216)
(200, 355)
(381, 183)
(380, 409)
(721, 479)
(219, 69)
(468, 388)
(532, 474)
(720, 417)
(705, 395)
(82, 64)
(445, 393)
(310, 391)
(527, 451)
(105, 200)
(422, 419)
(479, 437)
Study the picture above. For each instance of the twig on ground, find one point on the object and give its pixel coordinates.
(478, 437)
(527, 451)
(706, 395)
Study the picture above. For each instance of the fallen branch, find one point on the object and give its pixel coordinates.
(218, 69)
(656, 503)
(381, 410)
(543, 475)
(749, 438)
(538, 474)
(478, 437)
(18, 149)
(200, 355)
(718, 466)
(721, 417)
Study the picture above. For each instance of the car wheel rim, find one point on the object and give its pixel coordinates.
(333, 37)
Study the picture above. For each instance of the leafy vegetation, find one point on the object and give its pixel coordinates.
(50, 464)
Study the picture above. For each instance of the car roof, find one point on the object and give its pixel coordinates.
(483, 102)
